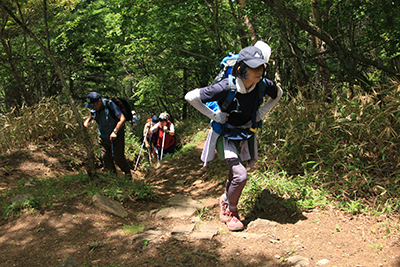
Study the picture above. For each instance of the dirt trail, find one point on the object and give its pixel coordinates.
(94, 238)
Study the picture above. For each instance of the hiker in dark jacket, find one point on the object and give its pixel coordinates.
(166, 140)
(237, 142)
(110, 121)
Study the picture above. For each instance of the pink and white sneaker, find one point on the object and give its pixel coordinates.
(233, 222)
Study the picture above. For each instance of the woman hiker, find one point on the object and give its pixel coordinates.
(150, 140)
(166, 142)
(236, 142)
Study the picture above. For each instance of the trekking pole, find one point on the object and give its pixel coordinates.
(162, 147)
(140, 151)
(208, 126)
(208, 149)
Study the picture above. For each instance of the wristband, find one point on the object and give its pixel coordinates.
(115, 131)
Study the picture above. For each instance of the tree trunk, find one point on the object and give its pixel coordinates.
(46, 24)
(28, 93)
(90, 168)
(216, 26)
(300, 77)
(238, 20)
(319, 50)
(13, 96)
(185, 90)
(250, 27)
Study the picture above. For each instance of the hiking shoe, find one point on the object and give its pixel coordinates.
(128, 176)
(233, 222)
(223, 215)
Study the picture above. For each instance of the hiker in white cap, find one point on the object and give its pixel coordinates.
(166, 142)
(233, 134)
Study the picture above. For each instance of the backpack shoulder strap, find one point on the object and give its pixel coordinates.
(231, 94)
(106, 102)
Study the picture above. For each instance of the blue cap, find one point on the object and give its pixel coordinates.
(91, 99)
(154, 119)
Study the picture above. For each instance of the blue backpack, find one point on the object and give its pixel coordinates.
(226, 64)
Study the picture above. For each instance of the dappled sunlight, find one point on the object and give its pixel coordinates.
(68, 224)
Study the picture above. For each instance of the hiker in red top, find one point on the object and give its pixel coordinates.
(166, 140)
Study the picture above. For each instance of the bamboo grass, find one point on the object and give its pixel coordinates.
(351, 145)
(48, 121)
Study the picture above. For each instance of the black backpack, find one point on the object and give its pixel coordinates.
(124, 106)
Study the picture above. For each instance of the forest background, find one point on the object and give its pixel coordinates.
(335, 130)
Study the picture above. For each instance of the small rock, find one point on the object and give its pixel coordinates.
(143, 215)
(21, 198)
(109, 205)
(175, 212)
(322, 262)
(298, 261)
(181, 232)
(261, 222)
(196, 220)
(254, 261)
(29, 183)
(68, 262)
(183, 201)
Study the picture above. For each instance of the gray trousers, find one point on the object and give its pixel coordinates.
(237, 179)
(114, 152)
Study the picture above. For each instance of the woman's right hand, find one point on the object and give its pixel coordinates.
(220, 117)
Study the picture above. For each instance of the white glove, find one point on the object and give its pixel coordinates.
(220, 116)
(258, 116)
(268, 105)
(193, 97)
(165, 128)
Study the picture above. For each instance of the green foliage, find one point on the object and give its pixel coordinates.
(132, 229)
(17, 208)
(349, 146)
(203, 213)
(133, 143)
(190, 133)
(298, 192)
(352, 207)
(119, 189)
(55, 189)
(124, 48)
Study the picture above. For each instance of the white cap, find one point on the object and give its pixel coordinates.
(265, 49)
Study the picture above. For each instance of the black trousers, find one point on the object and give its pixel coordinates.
(114, 152)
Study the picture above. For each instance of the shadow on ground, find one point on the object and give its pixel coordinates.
(274, 208)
